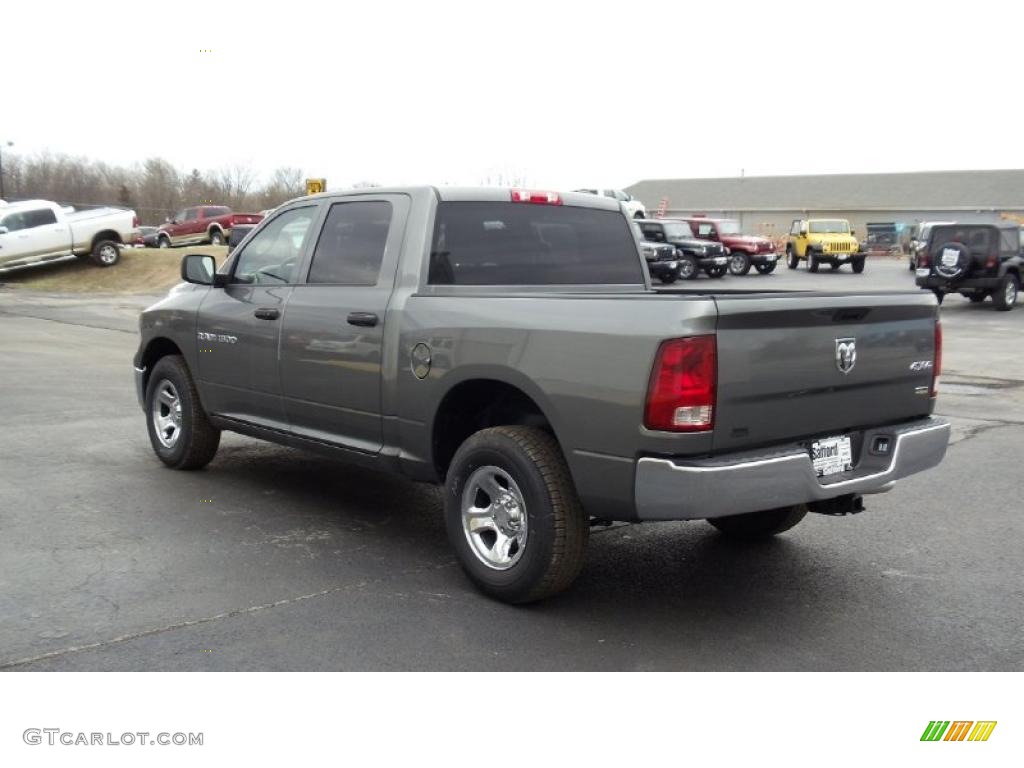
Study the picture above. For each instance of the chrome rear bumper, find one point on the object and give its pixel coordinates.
(731, 485)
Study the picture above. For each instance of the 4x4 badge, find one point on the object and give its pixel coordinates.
(846, 354)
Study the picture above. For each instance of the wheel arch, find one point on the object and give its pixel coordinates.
(476, 403)
(157, 348)
(105, 234)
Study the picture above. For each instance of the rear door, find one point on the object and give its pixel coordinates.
(334, 324)
(810, 365)
(239, 326)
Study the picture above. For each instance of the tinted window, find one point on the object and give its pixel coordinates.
(191, 214)
(490, 243)
(351, 245)
(40, 217)
(212, 213)
(273, 254)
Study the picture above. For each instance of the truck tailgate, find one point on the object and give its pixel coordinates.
(780, 371)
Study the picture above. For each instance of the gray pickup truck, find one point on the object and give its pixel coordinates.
(508, 345)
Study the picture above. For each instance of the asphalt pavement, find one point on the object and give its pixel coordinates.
(274, 559)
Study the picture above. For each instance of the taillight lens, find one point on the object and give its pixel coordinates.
(991, 262)
(534, 196)
(922, 259)
(135, 222)
(681, 394)
(937, 365)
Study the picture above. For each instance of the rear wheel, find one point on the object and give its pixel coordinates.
(512, 514)
(181, 435)
(105, 253)
(792, 260)
(739, 263)
(1005, 296)
(760, 525)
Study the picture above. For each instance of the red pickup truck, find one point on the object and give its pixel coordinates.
(202, 224)
(745, 251)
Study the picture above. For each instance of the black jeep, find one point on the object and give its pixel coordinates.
(974, 260)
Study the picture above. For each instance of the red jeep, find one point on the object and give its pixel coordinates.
(202, 224)
(744, 250)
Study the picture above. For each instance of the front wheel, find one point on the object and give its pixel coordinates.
(513, 516)
(181, 435)
(105, 253)
(792, 260)
(858, 265)
(716, 272)
(760, 525)
(687, 267)
(739, 263)
(669, 277)
(766, 268)
(812, 262)
(1005, 296)
(163, 241)
(216, 237)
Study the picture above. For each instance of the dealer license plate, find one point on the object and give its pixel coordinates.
(831, 455)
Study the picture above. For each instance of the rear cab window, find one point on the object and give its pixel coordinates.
(499, 243)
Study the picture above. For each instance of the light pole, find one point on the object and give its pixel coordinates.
(9, 144)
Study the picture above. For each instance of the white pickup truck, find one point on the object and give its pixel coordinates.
(35, 231)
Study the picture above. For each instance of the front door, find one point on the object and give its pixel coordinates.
(334, 325)
(239, 326)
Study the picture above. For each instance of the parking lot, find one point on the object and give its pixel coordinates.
(276, 559)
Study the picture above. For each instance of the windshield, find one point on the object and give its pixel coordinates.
(831, 226)
(675, 230)
(729, 227)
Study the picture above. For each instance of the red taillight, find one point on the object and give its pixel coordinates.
(533, 196)
(937, 364)
(991, 262)
(135, 222)
(922, 259)
(681, 395)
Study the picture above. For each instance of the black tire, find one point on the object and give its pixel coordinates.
(766, 268)
(792, 260)
(1005, 296)
(910, 264)
(105, 253)
(216, 237)
(976, 298)
(671, 277)
(688, 267)
(557, 527)
(639, 215)
(939, 296)
(739, 263)
(812, 262)
(716, 272)
(163, 242)
(834, 265)
(197, 441)
(858, 265)
(760, 525)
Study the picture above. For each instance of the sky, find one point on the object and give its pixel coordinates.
(560, 94)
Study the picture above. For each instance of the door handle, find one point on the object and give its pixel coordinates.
(267, 313)
(369, 319)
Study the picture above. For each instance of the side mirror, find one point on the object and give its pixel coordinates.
(3, 230)
(199, 269)
(853, 233)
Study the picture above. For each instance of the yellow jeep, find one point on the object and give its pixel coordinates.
(823, 241)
